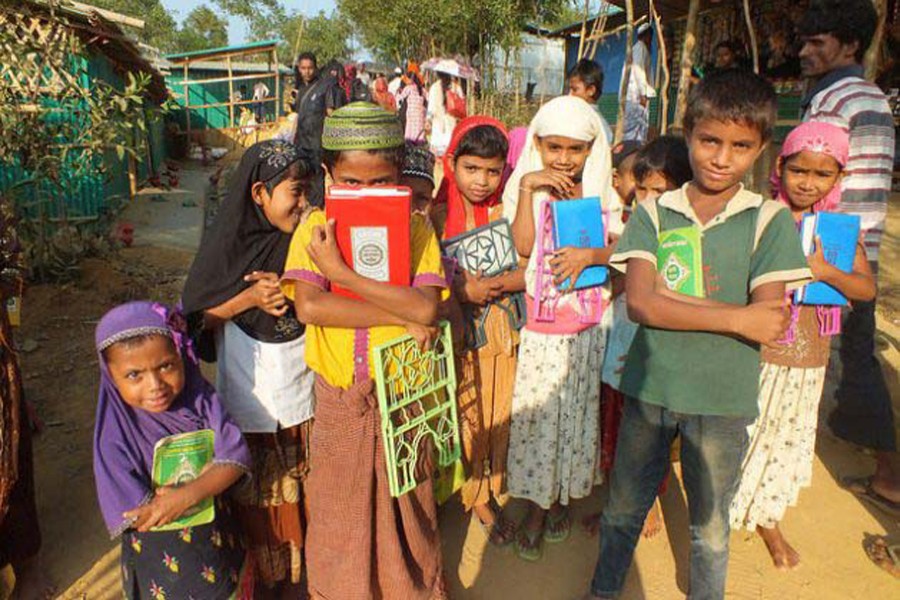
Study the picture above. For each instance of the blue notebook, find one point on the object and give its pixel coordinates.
(579, 223)
(839, 233)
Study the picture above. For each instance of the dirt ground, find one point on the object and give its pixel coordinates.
(828, 527)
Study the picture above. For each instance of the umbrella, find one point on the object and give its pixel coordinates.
(451, 67)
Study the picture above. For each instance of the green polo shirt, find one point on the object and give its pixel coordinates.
(750, 243)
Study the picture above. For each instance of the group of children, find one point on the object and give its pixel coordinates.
(547, 411)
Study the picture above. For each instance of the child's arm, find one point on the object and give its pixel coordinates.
(264, 293)
(169, 503)
(511, 281)
(523, 226)
(857, 285)
(317, 306)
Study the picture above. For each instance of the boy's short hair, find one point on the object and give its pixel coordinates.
(622, 150)
(392, 155)
(847, 20)
(667, 154)
(589, 72)
(484, 141)
(734, 95)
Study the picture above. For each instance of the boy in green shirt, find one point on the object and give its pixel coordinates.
(693, 368)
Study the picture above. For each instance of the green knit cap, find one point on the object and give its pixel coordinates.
(362, 126)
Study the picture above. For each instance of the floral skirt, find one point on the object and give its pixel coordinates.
(782, 446)
(555, 428)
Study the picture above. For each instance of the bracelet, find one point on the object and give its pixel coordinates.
(525, 189)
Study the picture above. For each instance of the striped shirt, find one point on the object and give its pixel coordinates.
(861, 108)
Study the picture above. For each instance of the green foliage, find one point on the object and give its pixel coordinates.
(326, 36)
(203, 28)
(160, 29)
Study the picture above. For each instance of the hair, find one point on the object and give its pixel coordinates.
(484, 141)
(590, 73)
(307, 56)
(667, 154)
(136, 341)
(730, 45)
(734, 95)
(392, 155)
(847, 20)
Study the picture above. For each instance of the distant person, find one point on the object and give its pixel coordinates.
(726, 55)
(396, 82)
(260, 93)
(413, 106)
(442, 117)
(640, 87)
(586, 82)
(381, 96)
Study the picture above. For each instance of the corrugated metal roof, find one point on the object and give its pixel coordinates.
(210, 52)
(240, 67)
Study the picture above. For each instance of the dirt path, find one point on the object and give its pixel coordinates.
(827, 528)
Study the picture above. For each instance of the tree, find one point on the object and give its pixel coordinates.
(160, 29)
(202, 29)
(325, 36)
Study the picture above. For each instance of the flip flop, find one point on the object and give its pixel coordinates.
(558, 527)
(885, 556)
(861, 487)
(528, 544)
(502, 529)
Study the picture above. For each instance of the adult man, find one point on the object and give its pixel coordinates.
(317, 97)
(396, 82)
(640, 87)
(836, 34)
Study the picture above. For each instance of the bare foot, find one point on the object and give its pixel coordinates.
(653, 524)
(501, 531)
(591, 523)
(783, 555)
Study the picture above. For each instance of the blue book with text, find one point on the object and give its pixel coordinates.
(839, 234)
(579, 223)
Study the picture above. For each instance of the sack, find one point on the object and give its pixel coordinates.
(456, 105)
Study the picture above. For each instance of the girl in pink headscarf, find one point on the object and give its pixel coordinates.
(779, 462)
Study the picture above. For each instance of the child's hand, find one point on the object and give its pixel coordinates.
(820, 267)
(266, 293)
(323, 250)
(559, 183)
(425, 335)
(568, 263)
(168, 504)
(764, 322)
(478, 289)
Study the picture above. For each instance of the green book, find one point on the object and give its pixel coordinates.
(679, 259)
(178, 459)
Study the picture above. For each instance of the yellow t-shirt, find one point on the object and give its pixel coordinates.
(334, 352)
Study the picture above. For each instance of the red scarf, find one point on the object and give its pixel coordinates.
(449, 192)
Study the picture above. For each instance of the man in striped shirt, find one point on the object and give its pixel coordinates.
(836, 34)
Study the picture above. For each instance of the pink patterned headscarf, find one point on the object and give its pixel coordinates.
(823, 138)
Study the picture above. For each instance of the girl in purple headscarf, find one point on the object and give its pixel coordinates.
(151, 388)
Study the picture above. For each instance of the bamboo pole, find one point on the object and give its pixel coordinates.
(664, 63)
(626, 72)
(687, 61)
(873, 54)
(751, 33)
(277, 85)
(230, 94)
(187, 103)
(584, 20)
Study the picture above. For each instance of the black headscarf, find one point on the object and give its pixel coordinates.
(241, 240)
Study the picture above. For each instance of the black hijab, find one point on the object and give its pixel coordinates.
(241, 240)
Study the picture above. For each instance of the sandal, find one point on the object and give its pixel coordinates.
(502, 532)
(885, 556)
(528, 544)
(861, 487)
(558, 527)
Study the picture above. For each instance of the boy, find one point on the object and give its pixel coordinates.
(586, 82)
(693, 368)
(362, 543)
(418, 175)
(623, 157)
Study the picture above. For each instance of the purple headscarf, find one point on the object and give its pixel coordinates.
(124, 436)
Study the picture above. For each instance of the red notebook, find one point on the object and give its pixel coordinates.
(372, 226)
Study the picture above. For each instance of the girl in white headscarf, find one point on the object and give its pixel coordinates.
(556, 401)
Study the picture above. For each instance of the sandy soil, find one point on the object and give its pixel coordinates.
(828, 527)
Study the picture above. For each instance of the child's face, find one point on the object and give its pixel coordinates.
(364, 168)
(652, 186)
(422, 193)
(721, 153)
(477, 178)
(808, 176)
(563, 154)
(578, 89)
(149, 375)
(623, 180)
(285, 205)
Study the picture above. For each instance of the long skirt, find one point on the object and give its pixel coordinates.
(779, 459)
(555, 417)
(361, 542)
(271, 506)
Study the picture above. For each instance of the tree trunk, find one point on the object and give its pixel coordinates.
(873, 54)
(687, 61)
(667, 76)
(626, 72)
(751, 33)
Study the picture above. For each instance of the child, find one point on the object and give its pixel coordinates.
(623, 157)
(586, 82)
(661, 166)
(469, 198)
(693, 367)
(556, 399)
(783, 439)
(232, 297)
(151, 388)
(418, 175)
(363, 543)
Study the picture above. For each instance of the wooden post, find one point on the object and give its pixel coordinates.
(187, 104)
(873, 54)
(664, 63)
(230, 94)
(277, 85)
(584, 20)
(687, 61)
(751, 33)
(626, 72)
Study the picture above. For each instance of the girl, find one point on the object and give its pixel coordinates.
(412, 103)
(470, 197)
(232, 296)
(441, 121)
(779, 461)
(381, 96)
(151, 388)
(556, 399)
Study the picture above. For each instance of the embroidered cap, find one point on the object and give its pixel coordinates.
(362, 126)
(418, 162)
